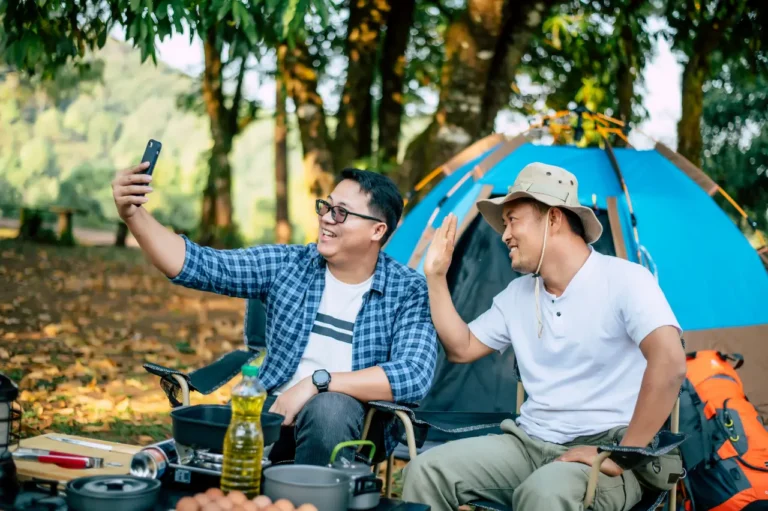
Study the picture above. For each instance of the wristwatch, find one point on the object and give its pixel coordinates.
(321, 378)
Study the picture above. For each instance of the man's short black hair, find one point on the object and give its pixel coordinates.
(385, 200)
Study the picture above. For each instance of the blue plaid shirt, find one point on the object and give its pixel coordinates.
(393, 329)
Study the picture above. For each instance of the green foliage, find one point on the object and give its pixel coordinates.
(73, 149)
(578, 56)
(732, 28)
(735, 133)
(39, 37)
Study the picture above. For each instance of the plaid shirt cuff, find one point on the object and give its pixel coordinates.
(190, 270)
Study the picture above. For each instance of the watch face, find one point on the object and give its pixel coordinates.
(321, 377)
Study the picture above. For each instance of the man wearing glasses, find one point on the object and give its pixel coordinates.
(346, 323)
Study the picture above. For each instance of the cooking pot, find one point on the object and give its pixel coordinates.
(113, 492)
(365, 487)
(339, 486)
(325, 488)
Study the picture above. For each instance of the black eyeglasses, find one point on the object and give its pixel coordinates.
(338, 213)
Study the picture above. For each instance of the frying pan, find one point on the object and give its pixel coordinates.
(204, 426)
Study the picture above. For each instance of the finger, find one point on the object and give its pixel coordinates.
(131, 179)
(439, 232)
(131, 199)
(134, 190)
(289, 418)
(453, 220)
(134, 170)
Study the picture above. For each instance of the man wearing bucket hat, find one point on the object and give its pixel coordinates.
(598, 349)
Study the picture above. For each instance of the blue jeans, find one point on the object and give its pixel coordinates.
(325, 421)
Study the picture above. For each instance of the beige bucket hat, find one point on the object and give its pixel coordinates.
(551, 185)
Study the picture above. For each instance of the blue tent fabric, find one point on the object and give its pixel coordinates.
(711, 275)
(405, 238)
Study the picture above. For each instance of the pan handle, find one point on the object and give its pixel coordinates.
(350, 443)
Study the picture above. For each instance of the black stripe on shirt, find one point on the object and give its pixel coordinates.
(345, 325)
(333, 334)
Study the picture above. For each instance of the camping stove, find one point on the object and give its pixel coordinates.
(180, 467)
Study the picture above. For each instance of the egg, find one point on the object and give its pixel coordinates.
(187, 504)
(285, 505)
(214, 493)
(225, 503)
(249, 505)
(237, 497)
(262, 501)
(306, 507)
(202, 499)
(211, 506)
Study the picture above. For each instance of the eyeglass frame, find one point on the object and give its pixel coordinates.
(335, 209)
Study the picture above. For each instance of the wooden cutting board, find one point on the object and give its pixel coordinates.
(121, 453)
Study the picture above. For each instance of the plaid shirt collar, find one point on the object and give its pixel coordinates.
(379, 274)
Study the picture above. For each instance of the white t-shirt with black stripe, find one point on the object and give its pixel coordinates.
(330, 340)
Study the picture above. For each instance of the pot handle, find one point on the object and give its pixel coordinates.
(350, 443)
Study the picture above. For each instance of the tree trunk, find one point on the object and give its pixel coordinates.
(470, 41)
(216, 227)
(355, 116)
(483, 49)
(521, 20)
(301, 83)
(392, 69)
(122, 234)
(282, 224)
(689, 142)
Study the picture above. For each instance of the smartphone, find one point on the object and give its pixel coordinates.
(151, 153)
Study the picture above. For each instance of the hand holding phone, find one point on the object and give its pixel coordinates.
(151, 153)
(130, 186)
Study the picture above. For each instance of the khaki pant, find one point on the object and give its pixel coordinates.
(515, 470)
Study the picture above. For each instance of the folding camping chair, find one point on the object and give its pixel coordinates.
(456, 425)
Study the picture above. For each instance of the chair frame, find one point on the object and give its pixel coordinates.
(593, 475)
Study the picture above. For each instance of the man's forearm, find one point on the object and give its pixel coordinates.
(658, 393)
(370, 384)
(165, 249)
(451, 329)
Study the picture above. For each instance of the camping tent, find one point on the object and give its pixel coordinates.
(656, 209)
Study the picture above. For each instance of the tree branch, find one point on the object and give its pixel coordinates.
(235, 109)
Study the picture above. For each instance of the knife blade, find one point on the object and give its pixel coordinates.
(83, 443)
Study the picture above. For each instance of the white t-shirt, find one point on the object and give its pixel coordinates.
(330, 340)
(583, 375)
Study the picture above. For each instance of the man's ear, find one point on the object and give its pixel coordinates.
(556, 217)
(379, 231)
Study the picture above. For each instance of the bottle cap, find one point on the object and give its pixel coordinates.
(249, 370)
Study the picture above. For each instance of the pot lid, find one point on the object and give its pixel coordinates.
(112, 486)
(352, 467)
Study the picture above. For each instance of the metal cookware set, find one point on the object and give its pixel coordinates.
(341, 485)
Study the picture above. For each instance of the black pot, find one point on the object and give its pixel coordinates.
(115, 493)
(205, 426)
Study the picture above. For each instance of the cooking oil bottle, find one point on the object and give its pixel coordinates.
(244, 441)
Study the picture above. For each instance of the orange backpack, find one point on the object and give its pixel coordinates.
(726, 453)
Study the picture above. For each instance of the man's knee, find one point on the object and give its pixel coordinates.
(330, 410)
(561, 485)
(421, 472)
(554, 482)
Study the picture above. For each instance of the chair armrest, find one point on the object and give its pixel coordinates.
(204, 380)
(629, 458)
(632, 457)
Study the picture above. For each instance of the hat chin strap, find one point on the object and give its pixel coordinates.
(537, 276)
